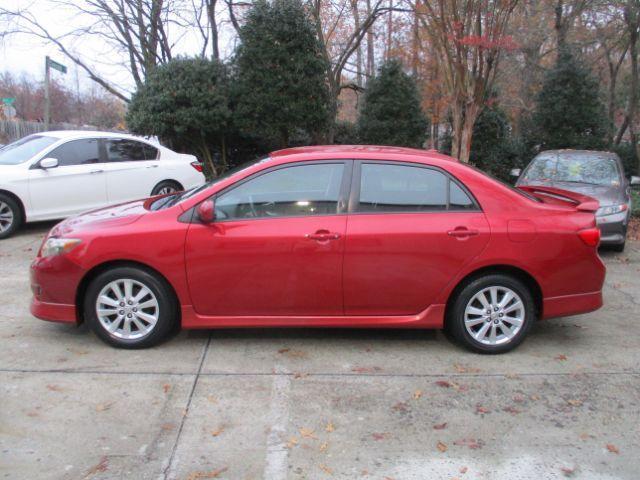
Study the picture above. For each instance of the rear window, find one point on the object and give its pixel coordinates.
(590, 168)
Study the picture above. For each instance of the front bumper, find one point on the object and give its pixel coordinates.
(613, 228)
(54, 283)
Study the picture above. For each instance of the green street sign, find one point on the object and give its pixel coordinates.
(57, 66)
(8, 101)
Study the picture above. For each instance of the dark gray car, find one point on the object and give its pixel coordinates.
(597, 174)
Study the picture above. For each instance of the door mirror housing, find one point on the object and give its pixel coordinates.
(206, 211)
(48, 162)
(515, 172)
(634, 181)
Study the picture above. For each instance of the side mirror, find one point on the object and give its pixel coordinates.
(206, 211)
(634, 181)
(515, 172)
(48, 162)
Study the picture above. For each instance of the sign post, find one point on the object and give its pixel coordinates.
(48, 64)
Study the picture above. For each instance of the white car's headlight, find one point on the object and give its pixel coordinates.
(611, 209)
(58, 246)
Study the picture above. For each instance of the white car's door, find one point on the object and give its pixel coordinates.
(132, 169)
(77, 184)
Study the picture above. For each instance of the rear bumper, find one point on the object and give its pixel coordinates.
(571, 304)
(53, 312)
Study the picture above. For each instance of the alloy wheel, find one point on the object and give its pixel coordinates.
(127, 309)
(166, 190)
(494, 315)
(6, 217)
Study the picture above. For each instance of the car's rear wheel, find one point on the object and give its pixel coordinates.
(10, 216)
(129, 307)
(166, 187)
(492, 314)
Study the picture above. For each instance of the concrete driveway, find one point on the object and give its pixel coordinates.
(316, 404)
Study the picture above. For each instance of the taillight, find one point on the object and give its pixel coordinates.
(197, 166)
(590, 236)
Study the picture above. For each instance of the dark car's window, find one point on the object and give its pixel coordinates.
(574, 167)
(290, 191)
(77, 152)
(404, 188)
(23, 149)
(122, 150)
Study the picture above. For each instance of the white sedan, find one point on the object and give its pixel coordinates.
(54, 175)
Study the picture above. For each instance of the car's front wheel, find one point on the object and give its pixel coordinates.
(10, 216)
(492, 314)
(129, 307)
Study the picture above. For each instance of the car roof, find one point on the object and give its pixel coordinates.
(67, 134)
(360, 151)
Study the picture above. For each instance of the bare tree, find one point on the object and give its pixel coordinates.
(469, 38)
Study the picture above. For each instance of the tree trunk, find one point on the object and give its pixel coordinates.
(356, 21)
(213, 24)
(470, 115)
(371, 67)
(389, 30)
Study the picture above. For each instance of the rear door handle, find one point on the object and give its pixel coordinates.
(93, 172)
(462, 232)
(152, 166)
(323, 236)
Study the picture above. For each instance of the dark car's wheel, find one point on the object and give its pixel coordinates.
(10, 216)
(492, 314)
(619, 247)
(165, 187)
(129, 307)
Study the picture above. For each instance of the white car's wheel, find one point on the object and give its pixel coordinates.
(10, 216)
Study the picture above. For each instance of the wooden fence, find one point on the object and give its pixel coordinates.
(12, 130)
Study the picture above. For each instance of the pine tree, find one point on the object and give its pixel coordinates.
(185, 102)
(280, 82)
(569, 112)
(391, 112)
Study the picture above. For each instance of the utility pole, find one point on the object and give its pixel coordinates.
(47, 99)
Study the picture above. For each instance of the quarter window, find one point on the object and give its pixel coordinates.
(405, 188)
(290, 191)
(77, 152)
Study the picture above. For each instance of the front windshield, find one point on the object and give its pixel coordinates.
(24, 149)
(576, 167)
(170, 200)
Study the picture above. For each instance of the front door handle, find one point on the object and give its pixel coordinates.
(93, 172)
(462, 232)
(323, 236)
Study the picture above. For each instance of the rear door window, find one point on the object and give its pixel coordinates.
(124, 150)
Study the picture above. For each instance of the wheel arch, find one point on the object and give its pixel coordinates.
(510, 270)
(103, 267)
(172, 180)
(23, 211)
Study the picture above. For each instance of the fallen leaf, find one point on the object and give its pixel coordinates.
(293, 441)
(561, 357)
(307, 433)
(442, 447)
(401, 407)
(54, 388)
(283, 350)
(518, 398)
(440, 426)
(298, 375)
(101, 466)
(218, 431)
(366, 369)
(464, 470)
(380, 436)
(167, 426)
(567, 472)
(166, 387)
(326, 469)
(417, 394)
(443, 384)
(535, 398)
(472, 443)
(324, 446)
(612, 448)
(212, 399)
(211, 474)
(482, 410)
(101, 407)
(512, 376)
(329, 428)
(464, 369)
(510, 409)
(574, 402)
(292, 353)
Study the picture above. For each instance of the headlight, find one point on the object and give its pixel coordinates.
(58, 246)
(611, 209)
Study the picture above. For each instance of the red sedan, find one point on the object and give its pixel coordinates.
(331, 236)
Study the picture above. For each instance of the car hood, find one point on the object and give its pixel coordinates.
(605, 194)
(115, 216)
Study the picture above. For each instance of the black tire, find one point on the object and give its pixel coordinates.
(9, 206)
(167, 311)
(455, 322)
(163, 188)
(618, 248)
